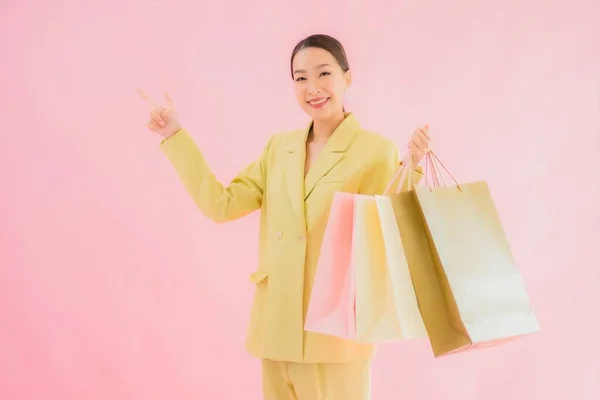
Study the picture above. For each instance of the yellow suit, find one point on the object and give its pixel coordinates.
(294, 214)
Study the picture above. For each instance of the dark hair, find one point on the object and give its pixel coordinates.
(325, 42)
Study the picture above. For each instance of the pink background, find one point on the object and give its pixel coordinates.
(107, 269)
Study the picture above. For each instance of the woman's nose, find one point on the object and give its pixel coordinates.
(313, 91)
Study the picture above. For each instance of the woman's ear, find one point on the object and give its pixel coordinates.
(348, 77)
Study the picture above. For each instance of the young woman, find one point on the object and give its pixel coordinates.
(292, 183)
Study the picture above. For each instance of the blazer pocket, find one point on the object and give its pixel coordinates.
(258, 277)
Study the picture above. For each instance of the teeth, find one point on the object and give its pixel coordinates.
(318, 102)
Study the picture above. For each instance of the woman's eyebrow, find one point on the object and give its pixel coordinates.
(301, 71)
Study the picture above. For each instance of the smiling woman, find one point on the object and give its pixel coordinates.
(292, 183)
(321, 73)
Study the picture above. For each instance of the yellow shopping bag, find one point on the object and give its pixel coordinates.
(386, 303)
(469, 289)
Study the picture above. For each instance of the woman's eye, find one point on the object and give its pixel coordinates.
(325, 73)
(300, 79)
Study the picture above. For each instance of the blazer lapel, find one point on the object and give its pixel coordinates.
(332, 153)
(296, 157)
(298, 187)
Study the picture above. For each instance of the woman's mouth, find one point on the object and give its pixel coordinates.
(318, 103)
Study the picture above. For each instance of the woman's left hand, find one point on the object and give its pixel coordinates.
(419, 144)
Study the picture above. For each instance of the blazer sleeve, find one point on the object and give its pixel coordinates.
(219, 203)
(377, 178)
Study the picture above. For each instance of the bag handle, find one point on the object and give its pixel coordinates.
(408, 167)
(432, 160)
(401, 174)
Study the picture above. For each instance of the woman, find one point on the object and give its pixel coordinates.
(292, 183)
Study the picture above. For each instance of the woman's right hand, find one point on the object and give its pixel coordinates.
(163, 119)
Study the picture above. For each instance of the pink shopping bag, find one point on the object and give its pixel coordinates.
(331, 308)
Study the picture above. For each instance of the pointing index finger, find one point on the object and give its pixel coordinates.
(425, 131)
(168, 100)
(144, 96)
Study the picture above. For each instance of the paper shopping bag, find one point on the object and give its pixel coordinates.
(484, 298)
(376, 318)
(331, 306)
(424, 276)
(404, 296)
(386, 305)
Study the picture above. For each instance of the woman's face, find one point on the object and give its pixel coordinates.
(319, 82)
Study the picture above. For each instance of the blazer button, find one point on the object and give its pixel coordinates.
(279, 235)
(301, 237)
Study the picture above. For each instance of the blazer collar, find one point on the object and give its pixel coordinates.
(299, 187)
(339, 140)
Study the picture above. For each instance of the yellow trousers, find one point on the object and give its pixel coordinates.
(294, 381)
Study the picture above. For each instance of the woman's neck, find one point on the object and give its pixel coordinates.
(323, 129)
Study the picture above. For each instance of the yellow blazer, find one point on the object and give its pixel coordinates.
(294, 214)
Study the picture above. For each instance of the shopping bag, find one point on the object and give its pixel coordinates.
(424, 276)
(331, 307)
(404, 296)
(362, 288)
(386, 304)
(376, 318)
(469, 289)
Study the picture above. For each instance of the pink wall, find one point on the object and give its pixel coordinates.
(107, 269)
